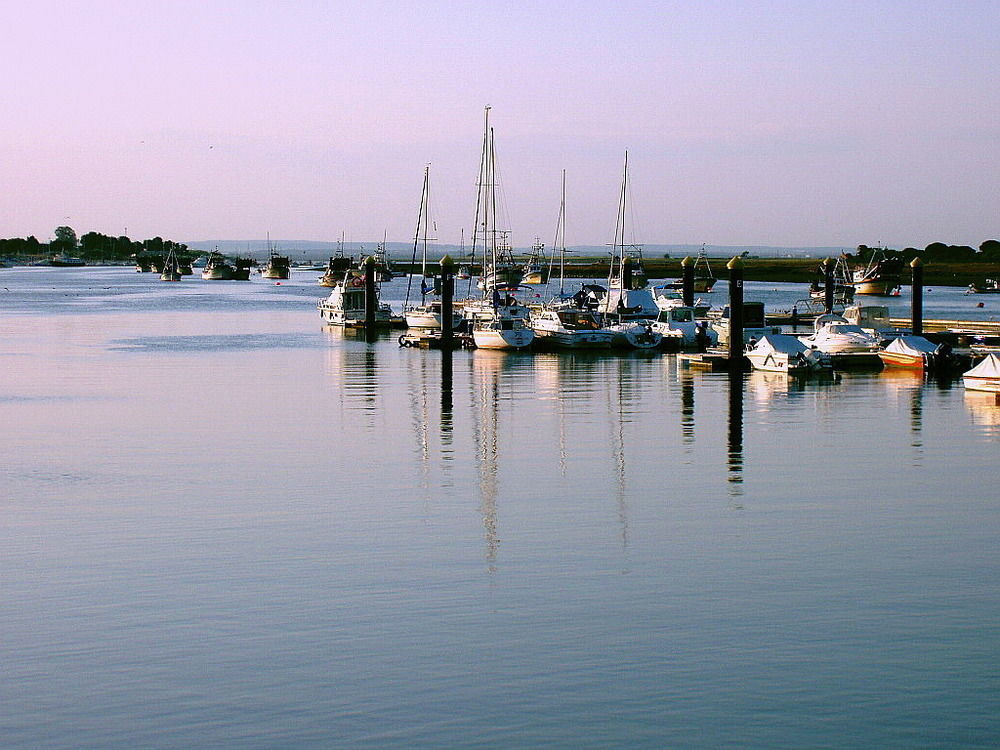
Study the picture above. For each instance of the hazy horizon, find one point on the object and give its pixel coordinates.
(777, 124)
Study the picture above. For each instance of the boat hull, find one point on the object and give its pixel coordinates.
(909, 361)
(990, 385)
(489, 338)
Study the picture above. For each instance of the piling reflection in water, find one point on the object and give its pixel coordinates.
(735, 433)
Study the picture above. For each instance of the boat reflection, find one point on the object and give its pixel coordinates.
(984, 410)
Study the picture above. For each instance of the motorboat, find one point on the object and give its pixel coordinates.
(874, 319)
(985, 376)
(754, 323)
(703, 278)
(779, 352)
(916, 352)
(336, 267)
(681, 322)
(569, 328)
(635, 334)
(833, 334)
(346, 304)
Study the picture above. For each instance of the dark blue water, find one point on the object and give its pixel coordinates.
(224, 526)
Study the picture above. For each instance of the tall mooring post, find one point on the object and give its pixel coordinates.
(447, 302)
(627, 273)
(735, 267)
(687, 281)
(917, 290)
(371, 300)
(828, 265)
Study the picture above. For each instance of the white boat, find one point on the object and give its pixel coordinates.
(985, 376)
(499, 321)
(834, 335)
(635, 334)
(569, 328)
(778, 352)
(426, 315)
(681, 321)
(346, 304)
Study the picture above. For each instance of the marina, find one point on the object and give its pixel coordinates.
(400, 547)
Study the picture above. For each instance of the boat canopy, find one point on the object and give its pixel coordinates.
(912, 345)
(988, 368)
(779, 343)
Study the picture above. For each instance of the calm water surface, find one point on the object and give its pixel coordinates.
(224, 526)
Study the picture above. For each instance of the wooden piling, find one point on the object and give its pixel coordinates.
(447, 302)
(917, 297)
(371, 300)
(687, 281)
(828, 266)
(735, 267)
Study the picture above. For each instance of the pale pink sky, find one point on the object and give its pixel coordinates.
(758, 123)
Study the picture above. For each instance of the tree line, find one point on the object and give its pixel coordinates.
(93, 246)
(936, 252)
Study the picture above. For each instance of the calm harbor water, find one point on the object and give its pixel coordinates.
(226, 526)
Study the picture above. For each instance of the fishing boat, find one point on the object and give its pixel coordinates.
(917, 353)
(171, 268)
(499, 321)
(336, 267)
(242, 266)
(779, 352)
(879, 276)
(426, 315)
(346, 304)
(704, 279)
(66, 261)
(216, 268)
(833, 334)
(985, 376)
(843, 286)
(534, 269)
(277, 266)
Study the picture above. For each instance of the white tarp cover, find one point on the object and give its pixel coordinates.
(911, 345)
(779, 343)
(988, 368)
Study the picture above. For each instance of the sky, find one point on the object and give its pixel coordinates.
(746, 123)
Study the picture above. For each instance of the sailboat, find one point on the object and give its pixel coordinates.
(628, 307)
(427, 314)
(499, 321)
(561, 322)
